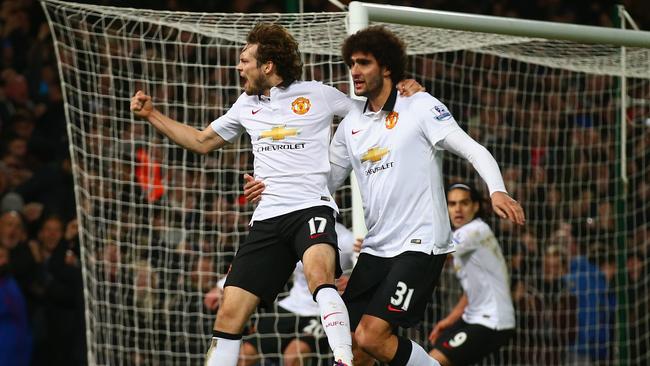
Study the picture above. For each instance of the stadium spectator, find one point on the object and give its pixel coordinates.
(15, 332)
(638, 281)
(61, 293)
(595, 307)
(51, 186)
(547, 313)
(22, 254)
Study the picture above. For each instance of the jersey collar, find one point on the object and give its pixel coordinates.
(389, 106)
(283, 85)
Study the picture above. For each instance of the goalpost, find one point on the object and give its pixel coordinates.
(160, 224)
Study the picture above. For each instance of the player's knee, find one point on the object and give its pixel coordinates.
(227, 319)
(295, 352)
(361, 358)
(369, 338)
(318, 281)
(248, 355)
(319, 263)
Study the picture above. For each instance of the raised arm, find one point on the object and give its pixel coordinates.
(464, 146)
(186, 136)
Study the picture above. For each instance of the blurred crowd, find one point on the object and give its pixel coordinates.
(557, 150)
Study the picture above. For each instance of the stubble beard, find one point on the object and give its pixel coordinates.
(373, 87)
(256, 86)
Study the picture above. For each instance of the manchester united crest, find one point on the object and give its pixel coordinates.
(391, 119)
(301, 105)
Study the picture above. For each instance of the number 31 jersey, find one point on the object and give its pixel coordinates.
(398, 165)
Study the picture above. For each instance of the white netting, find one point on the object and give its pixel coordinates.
(159, 224)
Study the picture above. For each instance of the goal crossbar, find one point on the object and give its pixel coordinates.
(361, 13)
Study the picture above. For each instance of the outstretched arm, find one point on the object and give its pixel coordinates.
(463, 145)
(186, 136)
(448, 321)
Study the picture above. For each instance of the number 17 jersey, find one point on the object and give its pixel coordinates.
(290, 133)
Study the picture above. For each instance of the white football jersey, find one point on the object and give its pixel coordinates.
(398, 166)
(290, 132)
(483, 273)
(300, 300)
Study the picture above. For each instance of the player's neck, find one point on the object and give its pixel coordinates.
(377, 101)
(272, 81)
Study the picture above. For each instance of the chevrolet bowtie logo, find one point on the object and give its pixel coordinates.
(374, 154)
(278, 133)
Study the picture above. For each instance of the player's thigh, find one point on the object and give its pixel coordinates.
(309, 228)
(405, 291)
(465, 343)
(263, 263)
(364, 281)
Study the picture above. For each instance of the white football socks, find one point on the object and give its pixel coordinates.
(336, 323)
(223, 352)
(420, 357)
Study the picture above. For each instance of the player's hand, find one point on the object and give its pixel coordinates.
(141, 104)
(71, 230)
(358, 243)
(437, 331)
(508, 208)
(212, 299)
(409, 87)
(253, 189)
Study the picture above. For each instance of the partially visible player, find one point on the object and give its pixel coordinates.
(483, 320)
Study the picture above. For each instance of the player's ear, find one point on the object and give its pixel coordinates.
(385, 72)
(268, 67)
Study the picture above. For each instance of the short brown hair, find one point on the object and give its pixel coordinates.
(276, 44)
(383, 44)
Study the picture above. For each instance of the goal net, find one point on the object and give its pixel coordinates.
(160, 225)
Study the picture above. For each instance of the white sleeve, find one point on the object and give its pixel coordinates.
(435, 120)
(229, 126)
(464, 146)
(222, 281)
(463, 242)
(340, 164)
(337, 176)
(339, 103)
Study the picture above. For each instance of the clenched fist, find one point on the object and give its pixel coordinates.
(141, 104)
